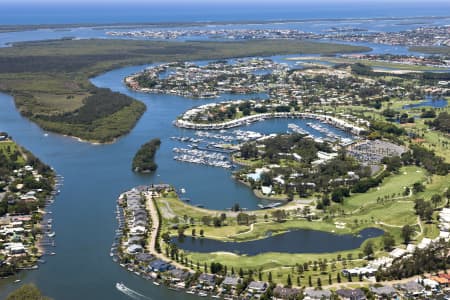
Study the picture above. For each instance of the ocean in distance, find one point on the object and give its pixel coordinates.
(37, 12)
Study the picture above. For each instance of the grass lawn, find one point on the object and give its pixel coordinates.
(9, 147)
(282, 264)
(393, 185)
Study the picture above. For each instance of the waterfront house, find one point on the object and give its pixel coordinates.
(313, 294)
(384, 292)
(366, 271)
(177, 275)
(208, 280)
(347, 294)
(257, 287)
(134, 240)
(144, 257)
(160, 266)
(137, 230)
(231, 281)
(410, 289)
(134, 248)
(280, 292)
(15, 248)
(429, 283)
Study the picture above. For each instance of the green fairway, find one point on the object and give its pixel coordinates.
(391, 188)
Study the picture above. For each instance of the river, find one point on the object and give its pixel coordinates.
(94, 175)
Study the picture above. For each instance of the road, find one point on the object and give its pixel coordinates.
(151, 208)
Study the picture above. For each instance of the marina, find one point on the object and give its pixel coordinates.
(95, 174)
(202, 157)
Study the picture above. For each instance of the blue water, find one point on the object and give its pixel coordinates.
(429, 102)
(51, 12)
(295, 241)
(94, 175)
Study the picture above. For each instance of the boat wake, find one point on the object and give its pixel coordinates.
(129, 292)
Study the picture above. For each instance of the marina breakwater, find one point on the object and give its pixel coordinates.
(336, 122)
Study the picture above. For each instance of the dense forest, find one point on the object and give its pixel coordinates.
(144, 160)
(101, 103)
(104, 116)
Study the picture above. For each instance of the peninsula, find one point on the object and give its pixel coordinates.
(27, 185)
(50, 79)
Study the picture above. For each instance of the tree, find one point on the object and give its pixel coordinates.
(289, 281)
(407, 231)
(180, 231)
(279, 215)
(407, 191)
(217, 222)
(338, 278)
(428, 213)
(216, 267)
(368, 249)
(388, 241)
(206, 220)
(27, 292)
(424, 209)
(242, 219)
(319, 282)
(436, 199)
(418, 187)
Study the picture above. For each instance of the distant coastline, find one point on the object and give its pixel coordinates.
(16, 28)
